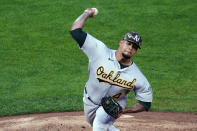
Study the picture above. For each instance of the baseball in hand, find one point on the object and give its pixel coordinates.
(95, 11)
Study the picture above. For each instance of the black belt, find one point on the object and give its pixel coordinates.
(90, 98)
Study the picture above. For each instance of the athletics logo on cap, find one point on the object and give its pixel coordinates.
(133, 37)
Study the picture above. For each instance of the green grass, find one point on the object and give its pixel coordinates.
(43, 70)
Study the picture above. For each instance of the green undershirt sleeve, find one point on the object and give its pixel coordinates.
(146, 105)
(79, 36)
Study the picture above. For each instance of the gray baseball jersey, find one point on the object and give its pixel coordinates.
(106, 78)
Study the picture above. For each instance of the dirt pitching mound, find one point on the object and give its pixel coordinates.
(75, 121)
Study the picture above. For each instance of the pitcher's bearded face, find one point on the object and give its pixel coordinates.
(127, 49)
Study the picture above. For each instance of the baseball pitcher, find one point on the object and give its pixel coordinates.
(112, 75)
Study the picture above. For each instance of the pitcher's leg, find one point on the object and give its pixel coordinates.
(90, 111)
(113, 128)
(102, 121)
